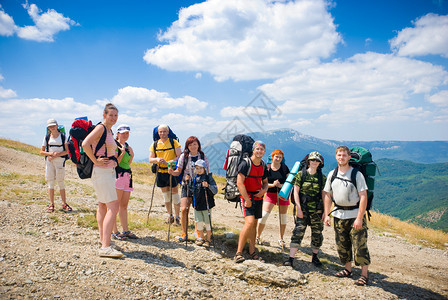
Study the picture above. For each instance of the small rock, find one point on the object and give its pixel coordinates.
(63, 265)
(48, 233)
(28, 281)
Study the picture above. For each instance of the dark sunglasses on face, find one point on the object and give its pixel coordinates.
(314, 160)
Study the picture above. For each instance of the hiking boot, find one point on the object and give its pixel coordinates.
(315, 260)
(289, 262)
(109, 252)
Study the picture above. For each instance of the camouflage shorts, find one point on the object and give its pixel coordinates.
(348, 238)
(314, 220)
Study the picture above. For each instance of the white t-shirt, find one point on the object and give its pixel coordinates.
(54, 144)
(345, 193)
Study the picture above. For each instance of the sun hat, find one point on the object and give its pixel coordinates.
(201, 163)
(316, 155)
(51, 122)
(123, 128)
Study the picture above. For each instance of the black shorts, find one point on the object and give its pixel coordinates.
(163, 180)
(255, 210)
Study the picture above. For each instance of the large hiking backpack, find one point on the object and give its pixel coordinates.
(156, 137)
(361, 161)
(79, 131)
(240, 148)
(61, 130)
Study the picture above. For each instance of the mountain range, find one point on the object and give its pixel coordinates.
(296, 145)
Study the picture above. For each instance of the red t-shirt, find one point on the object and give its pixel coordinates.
(253, 181)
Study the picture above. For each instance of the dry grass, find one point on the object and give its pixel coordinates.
(19, 146)
(411, 232)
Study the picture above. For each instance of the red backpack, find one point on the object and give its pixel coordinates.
(79, 131)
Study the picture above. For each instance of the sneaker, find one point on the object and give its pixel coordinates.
(289, 262)
(109, 252)
(182, 238)
(282, 243)
(315, 260)
(112, 244)
(177, 221)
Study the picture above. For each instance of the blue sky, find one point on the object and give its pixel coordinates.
(344, 70)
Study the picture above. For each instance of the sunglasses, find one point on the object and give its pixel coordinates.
(315, 160)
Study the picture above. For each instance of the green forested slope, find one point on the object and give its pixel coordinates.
(414, 192)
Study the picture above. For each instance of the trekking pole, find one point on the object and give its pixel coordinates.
(188, 212)
(209, 216)
(171, 207)
(280, 222)
(152, 196)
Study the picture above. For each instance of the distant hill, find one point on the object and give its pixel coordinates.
(413, 192)
(414, 175)
(296, 145)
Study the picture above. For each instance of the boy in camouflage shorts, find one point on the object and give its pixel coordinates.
(308, 196)
(349, 216)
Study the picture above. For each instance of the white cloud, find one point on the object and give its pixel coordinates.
(6, 93)
(7, 25)
(145, 101)
(440, 99)
(365, 88)
(46, 25)
(428, 36)
(246, 40)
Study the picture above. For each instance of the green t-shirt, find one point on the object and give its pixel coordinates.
(310, 188)
(124, 164)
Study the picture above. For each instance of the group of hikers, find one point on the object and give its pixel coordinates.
(258, 184)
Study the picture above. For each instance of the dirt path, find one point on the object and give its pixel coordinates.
(50, 255)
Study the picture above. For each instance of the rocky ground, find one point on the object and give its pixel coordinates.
(54, 255)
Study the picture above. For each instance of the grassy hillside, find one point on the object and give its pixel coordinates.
(414, 192)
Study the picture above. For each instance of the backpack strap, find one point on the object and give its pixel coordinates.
(353, 181)
(102, 141)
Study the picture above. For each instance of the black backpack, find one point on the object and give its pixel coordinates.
(361, 161)
(240, 148)
(78, 132)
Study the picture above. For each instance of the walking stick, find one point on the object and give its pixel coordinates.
(280, 221)
(171, 207)
(152, 196)
(209, 216)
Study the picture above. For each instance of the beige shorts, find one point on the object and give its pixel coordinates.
(103, 180)
(55, 171)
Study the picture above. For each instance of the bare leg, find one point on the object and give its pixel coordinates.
(249, 228)
(108, 221)
(123, 210)
(63, 196)
(51, 195)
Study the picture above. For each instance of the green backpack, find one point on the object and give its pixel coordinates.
(361, 160)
